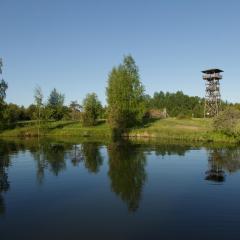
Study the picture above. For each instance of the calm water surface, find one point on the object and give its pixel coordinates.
(88, 190)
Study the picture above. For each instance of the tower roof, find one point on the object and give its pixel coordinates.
(213, 70)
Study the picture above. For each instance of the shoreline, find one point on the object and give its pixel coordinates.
(171, 129)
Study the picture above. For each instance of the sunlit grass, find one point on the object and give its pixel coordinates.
(171, 128)
(58, 128)
(195, 129)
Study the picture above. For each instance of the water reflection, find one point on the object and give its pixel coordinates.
(76, 155)
(4, 182)
(171, 149)
(221, 161)
(126, 163)
(92, 157)
(49, 156)
(127, 172)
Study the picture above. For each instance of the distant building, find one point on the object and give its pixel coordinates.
(157, 114)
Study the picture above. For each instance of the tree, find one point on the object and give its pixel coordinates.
(178, 104)
(91, 109)
(56, 105)
(31, 111)
(38, 96)
(3, 85)
(75, 110)
(125, 96)
(11, 114)
(3, 89)
(55, 99)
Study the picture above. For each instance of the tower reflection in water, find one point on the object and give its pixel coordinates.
(221, 162)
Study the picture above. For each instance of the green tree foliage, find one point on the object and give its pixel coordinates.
(3, 89)
(228, 121)
(12, 114)
(103, 113)
(38, 96)
(31, 112)
(9, 113)
(3, 85)
(91, 109)
(75, 110)
(55, 99)
(56, 105)
(125, 96)
(178, 104)
(236, 105)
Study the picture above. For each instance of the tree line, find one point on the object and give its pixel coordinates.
(127, 103)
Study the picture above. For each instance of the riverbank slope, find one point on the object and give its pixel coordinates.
(195, 129)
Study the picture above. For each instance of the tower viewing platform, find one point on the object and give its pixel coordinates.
(212, 74)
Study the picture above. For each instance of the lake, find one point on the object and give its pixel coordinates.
(75, 189)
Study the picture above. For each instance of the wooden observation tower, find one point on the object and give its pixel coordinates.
(212, 79)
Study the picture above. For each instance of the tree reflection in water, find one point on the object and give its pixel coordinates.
(165, 149)
(127, 172)
(222, 161)
(49, 156)
(4, 186)
(92, 157)
(53, 156)
(76, 154)
(4, 182)
(127, 161)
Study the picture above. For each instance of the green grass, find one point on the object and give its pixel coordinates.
(196, 129)
(60, 128)
(168, 129)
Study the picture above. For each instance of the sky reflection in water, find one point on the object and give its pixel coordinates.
(120, 190)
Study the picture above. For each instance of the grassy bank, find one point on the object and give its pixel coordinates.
(195, 129)
(171, 129)
(60, 128)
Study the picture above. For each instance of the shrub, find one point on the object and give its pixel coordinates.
(228, 122)
(183, 116)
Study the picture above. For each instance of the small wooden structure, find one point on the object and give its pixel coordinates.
(212, 79)
(157, 113)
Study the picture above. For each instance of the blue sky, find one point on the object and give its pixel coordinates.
(72, 45)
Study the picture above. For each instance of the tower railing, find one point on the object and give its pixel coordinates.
(212, 76)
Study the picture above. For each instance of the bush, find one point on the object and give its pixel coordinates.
(228, 122)
(88, 120)
(183, 116)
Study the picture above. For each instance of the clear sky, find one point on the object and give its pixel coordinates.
(72, 45)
